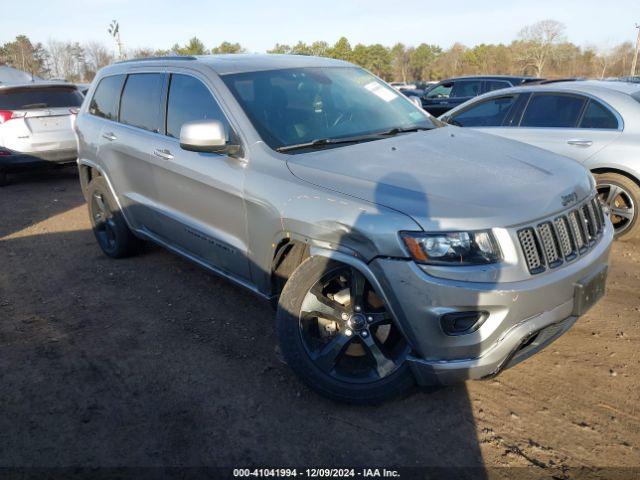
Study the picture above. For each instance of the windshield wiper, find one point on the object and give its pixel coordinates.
(34, 105)
(322, 142)
(397, 130)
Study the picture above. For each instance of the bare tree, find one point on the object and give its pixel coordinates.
(66, 60)
(538, 41)
(96, 57)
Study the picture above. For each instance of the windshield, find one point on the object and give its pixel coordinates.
(297, 106)
(46, 97)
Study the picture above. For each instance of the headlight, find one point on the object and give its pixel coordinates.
(453, 248)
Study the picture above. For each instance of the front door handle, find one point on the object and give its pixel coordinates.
(109, 136)
(163, 153)
(578, 142)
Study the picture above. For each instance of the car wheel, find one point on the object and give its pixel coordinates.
(4, 179)
(338, 337)
(621, 198)
(111, 231)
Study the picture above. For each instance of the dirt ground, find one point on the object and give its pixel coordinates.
(151, 361)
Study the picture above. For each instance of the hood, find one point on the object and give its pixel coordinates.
(449, 178)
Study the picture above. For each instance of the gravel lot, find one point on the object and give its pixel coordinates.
(151, 361)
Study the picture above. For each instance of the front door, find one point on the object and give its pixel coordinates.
(200, 195)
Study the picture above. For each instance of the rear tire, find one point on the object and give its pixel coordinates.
(336, 354)
(109, 226)
(621, 196)
(4, 179)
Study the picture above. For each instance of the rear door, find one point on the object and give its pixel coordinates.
(568, 124)
(126, 145)
(200, 195)
(464, 90)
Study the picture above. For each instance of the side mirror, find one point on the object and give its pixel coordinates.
(208, 136)
(416, 101)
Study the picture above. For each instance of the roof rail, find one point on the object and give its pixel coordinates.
(556, 80)
(167, 57)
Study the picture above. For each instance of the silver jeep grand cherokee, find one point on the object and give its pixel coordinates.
(399, 250)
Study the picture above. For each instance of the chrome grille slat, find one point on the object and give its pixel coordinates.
(565, 238)
(531, 250)
(578, 230)
(554, 241)
(549, 244)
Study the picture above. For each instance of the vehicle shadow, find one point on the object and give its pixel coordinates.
(151, 361)
(35, 195)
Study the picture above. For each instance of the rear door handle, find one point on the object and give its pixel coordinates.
(578, 142)
(163, 153)
(109, 136)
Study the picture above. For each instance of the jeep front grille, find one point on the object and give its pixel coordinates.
(558, 240)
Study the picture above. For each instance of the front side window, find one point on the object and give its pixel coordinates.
(488, 113)
(440, 91)
(550, 110)
(45, 97)
(466, 88)
(189, 100)
(293, 106)
(141, 98)
(597, 115)
(105, 99)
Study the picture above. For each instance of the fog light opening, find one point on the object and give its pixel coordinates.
(462, 323)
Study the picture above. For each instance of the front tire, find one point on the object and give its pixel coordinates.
(621, 197)
(109, 226)
(337, 336)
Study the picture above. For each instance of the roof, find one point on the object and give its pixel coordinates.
(246, 62)
(9, 75)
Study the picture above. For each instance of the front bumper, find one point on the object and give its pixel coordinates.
(524, 316)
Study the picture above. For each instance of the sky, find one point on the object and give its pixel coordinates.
(258, 25)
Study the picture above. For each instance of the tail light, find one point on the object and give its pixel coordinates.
(6, 115)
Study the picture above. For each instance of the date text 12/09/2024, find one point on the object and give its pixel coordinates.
(316, 472)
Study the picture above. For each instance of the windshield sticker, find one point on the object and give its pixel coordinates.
(380, 91)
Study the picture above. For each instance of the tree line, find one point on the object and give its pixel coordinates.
(540, 49)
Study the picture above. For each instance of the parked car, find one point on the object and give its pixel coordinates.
(398, 252)
(36, 125)
(596, 123)
(403, 86)
(449, 93)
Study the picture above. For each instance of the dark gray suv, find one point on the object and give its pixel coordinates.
(399, 250)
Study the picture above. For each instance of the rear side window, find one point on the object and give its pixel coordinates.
(466, 88)
(189, 100)
(105, 99)
(488, 113)
(492, 85)
(552, 111)
(141, 98)
(31, 98)
(597, 115)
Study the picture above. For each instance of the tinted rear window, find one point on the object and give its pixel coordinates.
(49, 97)
(141, 98)
(552, 111)
(105, 100)
(466, 88)
(492, 85)
(597, 115)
